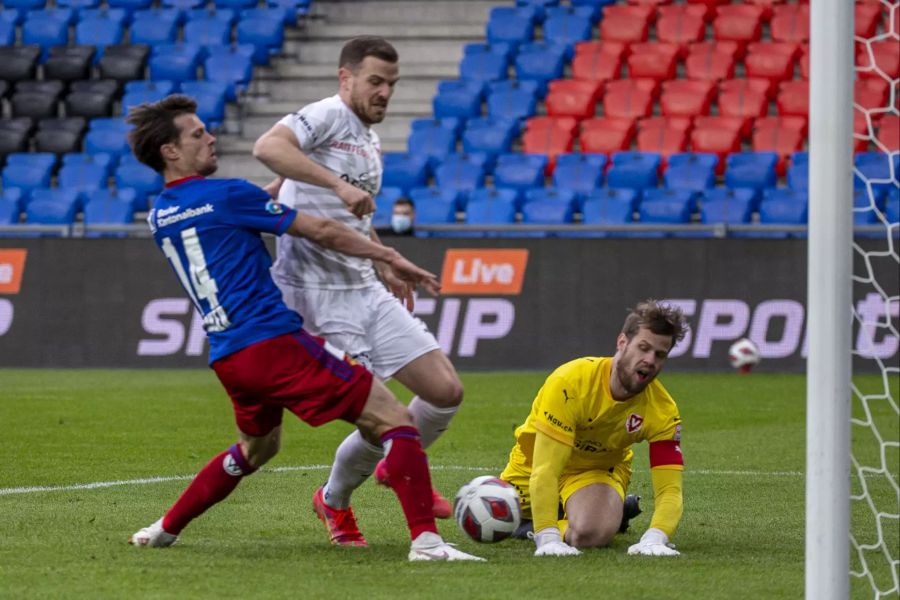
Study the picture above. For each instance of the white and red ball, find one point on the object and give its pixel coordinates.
(743, 355)
(487, 509)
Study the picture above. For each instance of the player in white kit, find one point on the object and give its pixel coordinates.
(331, 162)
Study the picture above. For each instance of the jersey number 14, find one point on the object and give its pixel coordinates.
(197, 282)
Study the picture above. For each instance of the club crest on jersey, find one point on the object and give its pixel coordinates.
(231, 467)
(274, 207)
(633, 423)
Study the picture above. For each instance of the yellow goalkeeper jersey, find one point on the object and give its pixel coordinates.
(575, 407)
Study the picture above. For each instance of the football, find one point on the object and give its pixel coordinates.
(743, 355)
(487, 509)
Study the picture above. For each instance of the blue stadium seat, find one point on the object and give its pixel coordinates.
(608, 206)
(10, 207)
(107, 211)
(491, 209)
(736, 196)
(483, 67)
(101, 159)
(44, 160)
(404, 170)
(726, 207)
(461, 173)
(520, 172)
(235, 4)
(107, 141)
(140, 96)
(691, 171)
(175, 62)
(513, 104)
(751, 170)
(567, 29)
(506, 85)
(52, 207)
(490, 136)
(503, 49)
(550, 195)
(25, 4)
(458, 99)
(892, 209)
(594, 5)
(384, 206)
(265, 33)
(664, 211)
(183, 5)
(510, 25)
(83, 178)
(587, 12)
(434, 143)
(798, 175)
(452, 123)
(636, 170)
(161, 87)
(210, 97)
(686, 197)
(155, 26)
(7, 33)
(139, 177)
(227, 15)
(231, 65)
(25, 177)
(130, 7)
(878, 169)
(436, 211)
(45, 30)
(783, 207)
(579, 172)
(207, 30)
(126, 195)
(541, 62)
(867, 207)
(110, 124)
(293, 9)
(425, 195)
(546, 212)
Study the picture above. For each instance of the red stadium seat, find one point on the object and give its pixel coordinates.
(793, 98)
(790, 23)
(862, 136)
(888, 135)
(767, 6)
(686, 97)
(782, 141)
(717, 135)
(705, 61)
(573, 98)
(550, 136)
(606, 135)
(617, 49)
(759, 86)
(663, 140)
(625, 23)
(683, 124)
(871, 93)
(741, 23)
(866, 21)
(745, 102)
(886, 56)
(628, 99)
(804, 61)
(771, 60)
(680, 28)
(596, 66)
(653, 61)
(711, 6)
(795, 123)
(690, 10)
(653, 3)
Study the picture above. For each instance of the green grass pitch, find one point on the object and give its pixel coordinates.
(742, 535)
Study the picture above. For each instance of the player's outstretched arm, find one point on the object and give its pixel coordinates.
(279, 150)
(549, 460)
(337, 236)
(398, 287)
(667, 512)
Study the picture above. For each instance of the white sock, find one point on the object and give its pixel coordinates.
(354, 461)
(430, 420)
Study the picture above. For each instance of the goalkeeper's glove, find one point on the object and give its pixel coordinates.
(549, 543)
(654, 542)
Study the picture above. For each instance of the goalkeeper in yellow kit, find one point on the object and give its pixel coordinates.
(575, 446)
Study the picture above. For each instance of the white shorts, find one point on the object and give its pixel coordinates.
(369, 324)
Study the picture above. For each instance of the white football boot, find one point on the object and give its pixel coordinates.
(430, 546)
(153, 536)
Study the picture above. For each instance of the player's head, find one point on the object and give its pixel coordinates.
(650, 331)
(367, 73)
(168, 136)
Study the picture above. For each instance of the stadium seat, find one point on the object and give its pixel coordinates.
(124, 62)
(10, 208)
(27, 177)
(549, 136)
(597, 61)
(790, 23)
(628, 98)
(490, 136)
(622, 23)
(433, 194)
(503, 49)
(175, 62)
(60, 135)
(609, 206)
(606, 135)
(461, 174)
(142, 179)
(514, 104)
(710, 62)
(741, 99)
(100, 31)
(483, 67)
(572, 98)
(101, 159)
(579, 172)
(691, 171)
(541, 62)
(754, 170)
(210, 97)
(729, 207)
(685, 97)
(783, 142)
(231, 65)
(45, 30)
(717, 135)
(793, 98)
(875, 169)
(107, 211)
(635, 170)
(130, 6)
(782, 207)
(83, 178)
(551, 195)
(653, 60)
(384, 206)
(566, 29)
(34, 102)
(19, 63)
(459, 98)
(265, 33)
(665, 140)
(546, 212)
(520, 172)
(7, 33)
(492, 208)
(69, 63)
(510, 25)
(740, 23)
(453, 124)
(404, 170)
(879, 59)
(207, 30)
(91, 98)
(680, 28)
(774, 61)
(888, 135)
(436, 211)
(14, 136)
(155, 26)
(107, 141)
(52, 207)
(666, 206)
(434, 143)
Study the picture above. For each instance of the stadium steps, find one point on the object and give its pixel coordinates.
(429, 37)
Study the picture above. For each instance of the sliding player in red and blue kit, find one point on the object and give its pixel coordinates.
(210, 232)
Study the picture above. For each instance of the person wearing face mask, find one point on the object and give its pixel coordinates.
(574, 449)
(403, 218)
(330, 159)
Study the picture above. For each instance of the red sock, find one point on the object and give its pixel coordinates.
(408, 475)
(213, 483)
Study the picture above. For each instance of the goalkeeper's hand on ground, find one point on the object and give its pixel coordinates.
(549, 543)
(654, 542)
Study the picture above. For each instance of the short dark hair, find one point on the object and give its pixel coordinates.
(661, 319)
(154, 126)
(405, 202)
(356, 50)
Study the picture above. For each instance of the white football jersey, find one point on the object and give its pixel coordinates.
(333, 136)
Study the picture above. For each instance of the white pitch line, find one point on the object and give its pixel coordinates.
(148, 480)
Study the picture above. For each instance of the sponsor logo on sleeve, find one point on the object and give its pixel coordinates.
(633, 423)
(274, 207)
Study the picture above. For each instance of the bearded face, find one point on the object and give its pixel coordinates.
(640, 359)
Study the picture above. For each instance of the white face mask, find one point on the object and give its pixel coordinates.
(401, 223)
